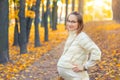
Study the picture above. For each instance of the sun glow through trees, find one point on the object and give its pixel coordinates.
(97, 10)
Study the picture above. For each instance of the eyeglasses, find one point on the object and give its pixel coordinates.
(71, 21)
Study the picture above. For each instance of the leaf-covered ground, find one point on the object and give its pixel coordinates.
(105, 34)
(21, 62)
(44, 68)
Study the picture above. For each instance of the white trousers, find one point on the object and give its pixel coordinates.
(69, 74)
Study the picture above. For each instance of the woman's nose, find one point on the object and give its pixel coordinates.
(69, 23)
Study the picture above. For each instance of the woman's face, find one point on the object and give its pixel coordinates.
(72, 23)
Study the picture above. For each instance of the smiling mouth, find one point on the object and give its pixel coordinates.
(70, 27)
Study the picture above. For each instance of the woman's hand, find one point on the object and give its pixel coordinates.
(77, 68)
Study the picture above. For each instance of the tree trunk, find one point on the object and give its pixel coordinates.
(54, 15)
(50, 16)
(46, 21)
(4, 50)
(73, 5)
(22, 36)
(28, 27)
(45, 26)
(42, 22)
(16, 34)
(37, 21)
(29, 23)
(66, 11)
(80, 6)
(116, 10)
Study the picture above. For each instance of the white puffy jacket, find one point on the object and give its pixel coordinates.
(80, 50)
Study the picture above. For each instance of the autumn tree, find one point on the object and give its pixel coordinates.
(16, 33)
(22, 35)
(42, 19)
(116, 10)
(54, 15)
(4, 50)
(66, 10)
(29, 18)
(46, 21)
(36, 22)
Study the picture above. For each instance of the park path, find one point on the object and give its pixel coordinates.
(44, 68)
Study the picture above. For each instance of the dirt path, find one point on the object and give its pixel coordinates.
(44, 68)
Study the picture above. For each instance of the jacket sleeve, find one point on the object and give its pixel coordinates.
(92, 48)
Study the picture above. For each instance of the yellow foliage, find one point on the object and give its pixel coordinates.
(99, 10)
(118, 65)
(30, 13)
(64, 1)
(106, 35)
(87, 18)
(16, 14)
(30, 2)
(42, 1)
(12, 14)
(20, 62)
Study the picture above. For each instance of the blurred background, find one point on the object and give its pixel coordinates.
(31, 28)
(92, 10)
